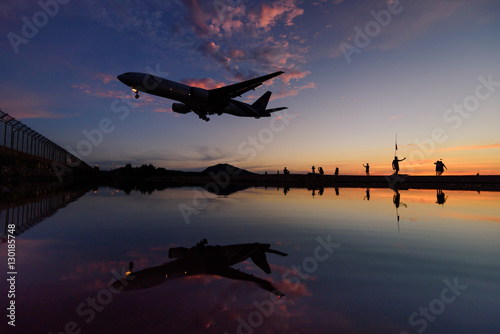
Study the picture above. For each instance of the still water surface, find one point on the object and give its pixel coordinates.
(359, 261)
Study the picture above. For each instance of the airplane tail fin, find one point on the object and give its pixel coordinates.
(261, 103)
(260, 259)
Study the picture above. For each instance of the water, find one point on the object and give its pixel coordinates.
(355, 264)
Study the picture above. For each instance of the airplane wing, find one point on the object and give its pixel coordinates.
(241, 276)
(241, 88)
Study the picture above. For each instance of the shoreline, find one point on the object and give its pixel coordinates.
(448, 182)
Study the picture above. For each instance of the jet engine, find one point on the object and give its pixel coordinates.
(181, 108)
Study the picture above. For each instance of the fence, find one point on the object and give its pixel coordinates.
(33, 211)
(19, 137)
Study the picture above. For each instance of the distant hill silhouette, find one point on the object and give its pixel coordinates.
(230, 169)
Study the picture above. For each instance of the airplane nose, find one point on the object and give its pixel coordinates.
(121, 77)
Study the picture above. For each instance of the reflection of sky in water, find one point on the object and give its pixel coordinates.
(372, 282)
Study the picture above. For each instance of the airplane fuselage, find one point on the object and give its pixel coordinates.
(194, 99)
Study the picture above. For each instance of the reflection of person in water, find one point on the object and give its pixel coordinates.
(395, 164)
(367, 196)
(286, 190)
(321, 191)
(440, 167)
(396, 199)
(337, 191)
(441, 197)
(367, 168)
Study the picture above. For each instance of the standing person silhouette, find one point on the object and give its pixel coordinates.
(320, 170)
(440, 167)
(313, 168)
(395, 164)
(367, 168)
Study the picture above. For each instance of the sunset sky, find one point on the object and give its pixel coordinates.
(356, 74)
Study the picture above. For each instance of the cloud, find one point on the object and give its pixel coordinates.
(415, 19)
(105, 78)
(97, 91)
(206, 154)
(471, 217)
(293, 91)
(269, 14)
(131, 15)
(293, 74)
(245, 39)
(28, 104)
(469, 147)
(206, 83)
(241, 38)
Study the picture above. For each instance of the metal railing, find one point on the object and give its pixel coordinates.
(33, 211)
(19, 137)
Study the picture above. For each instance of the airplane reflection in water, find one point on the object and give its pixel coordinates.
(203, 260)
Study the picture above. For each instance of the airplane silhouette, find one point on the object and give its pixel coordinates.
(201, 101)
(203, 260)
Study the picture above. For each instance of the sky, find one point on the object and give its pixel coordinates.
(358, 74)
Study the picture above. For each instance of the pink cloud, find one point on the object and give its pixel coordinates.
(235, 54)
(206, 83)
(293, 74)
(271, 13)
(106, 78)
(162, 110)
(28, 105)
(98, 92)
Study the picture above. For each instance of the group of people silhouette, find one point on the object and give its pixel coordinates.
(320, 170)
(440, 166)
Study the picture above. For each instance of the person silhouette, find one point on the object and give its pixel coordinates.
(336, 171)
(313, 168)
(440, 167)
(320, 170)
(285, 171)
(395, 164)
(367, 168)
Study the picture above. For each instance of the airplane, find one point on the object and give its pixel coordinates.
(201, 101)
(202, 260)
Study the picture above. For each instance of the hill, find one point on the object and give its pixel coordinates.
(227, 168)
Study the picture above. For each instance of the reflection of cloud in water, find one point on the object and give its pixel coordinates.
(473, 217)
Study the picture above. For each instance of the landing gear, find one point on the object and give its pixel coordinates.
(204, 117)
(136, 92)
